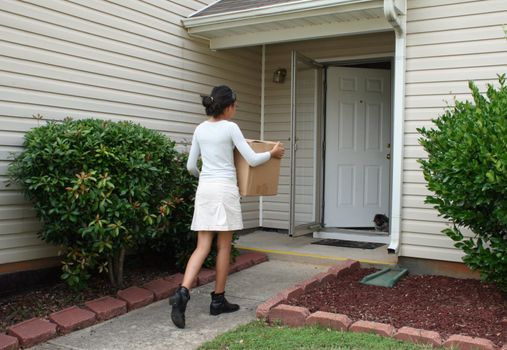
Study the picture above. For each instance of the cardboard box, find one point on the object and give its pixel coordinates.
(261, 180)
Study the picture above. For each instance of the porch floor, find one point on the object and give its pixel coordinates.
(280, 246)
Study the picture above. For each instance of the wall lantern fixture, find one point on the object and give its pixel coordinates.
(279, 75)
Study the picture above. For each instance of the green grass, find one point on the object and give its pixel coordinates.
(258, 335)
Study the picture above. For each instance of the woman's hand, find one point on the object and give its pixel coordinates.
(277, 151)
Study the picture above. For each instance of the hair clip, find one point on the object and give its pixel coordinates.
(212, 99)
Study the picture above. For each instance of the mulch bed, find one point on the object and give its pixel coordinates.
(446, 305)
(40, 301)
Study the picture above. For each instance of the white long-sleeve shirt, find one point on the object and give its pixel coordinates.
(215, 142)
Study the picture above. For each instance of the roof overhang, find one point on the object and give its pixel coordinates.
(298, 20)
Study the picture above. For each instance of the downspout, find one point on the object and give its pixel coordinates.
(397, 19)
(263, 86)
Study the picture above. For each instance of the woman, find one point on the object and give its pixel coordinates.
(217, 207)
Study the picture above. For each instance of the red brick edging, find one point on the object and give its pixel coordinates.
(275, 310)
(37, 330)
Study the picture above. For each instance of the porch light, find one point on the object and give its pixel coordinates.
(279, 75)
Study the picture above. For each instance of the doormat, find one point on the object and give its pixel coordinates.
(348, 244)
(359, 228)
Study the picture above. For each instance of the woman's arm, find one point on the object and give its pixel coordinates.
(193, 156)
(253, 159)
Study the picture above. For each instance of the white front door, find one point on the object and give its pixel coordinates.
(358, 134)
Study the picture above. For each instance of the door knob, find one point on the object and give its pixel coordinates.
(388, 156)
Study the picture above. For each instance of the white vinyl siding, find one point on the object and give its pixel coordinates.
(277, 100)
(448, 43)
(118, 60)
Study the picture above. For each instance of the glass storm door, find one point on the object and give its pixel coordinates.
(306, 111)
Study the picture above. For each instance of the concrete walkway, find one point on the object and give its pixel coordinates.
(150, 328)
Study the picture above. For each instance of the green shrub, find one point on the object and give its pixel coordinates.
(466, 170)
(177, 240)
(100, 188)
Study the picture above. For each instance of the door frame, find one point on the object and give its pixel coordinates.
(350, 61)
(321, 141)
(398, 65)
(396, 147)
(398, 111)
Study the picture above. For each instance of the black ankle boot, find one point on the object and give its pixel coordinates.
(179, 303)
(220, 305)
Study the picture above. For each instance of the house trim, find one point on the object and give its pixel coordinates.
(398, 21)
(278, 12)
(289, 21)
(358, 58)
(263, 99)
(300, 33)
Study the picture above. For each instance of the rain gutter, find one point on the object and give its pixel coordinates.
(396, 16)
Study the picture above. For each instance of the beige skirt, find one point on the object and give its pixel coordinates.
(217, 207)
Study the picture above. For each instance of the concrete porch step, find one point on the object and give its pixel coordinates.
(314, 259)
(279, 246)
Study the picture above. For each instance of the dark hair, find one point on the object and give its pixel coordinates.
(220, 98)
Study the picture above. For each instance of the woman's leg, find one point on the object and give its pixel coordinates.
(224, 239)
(179, 300)
(204, 241)
(218, 302)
